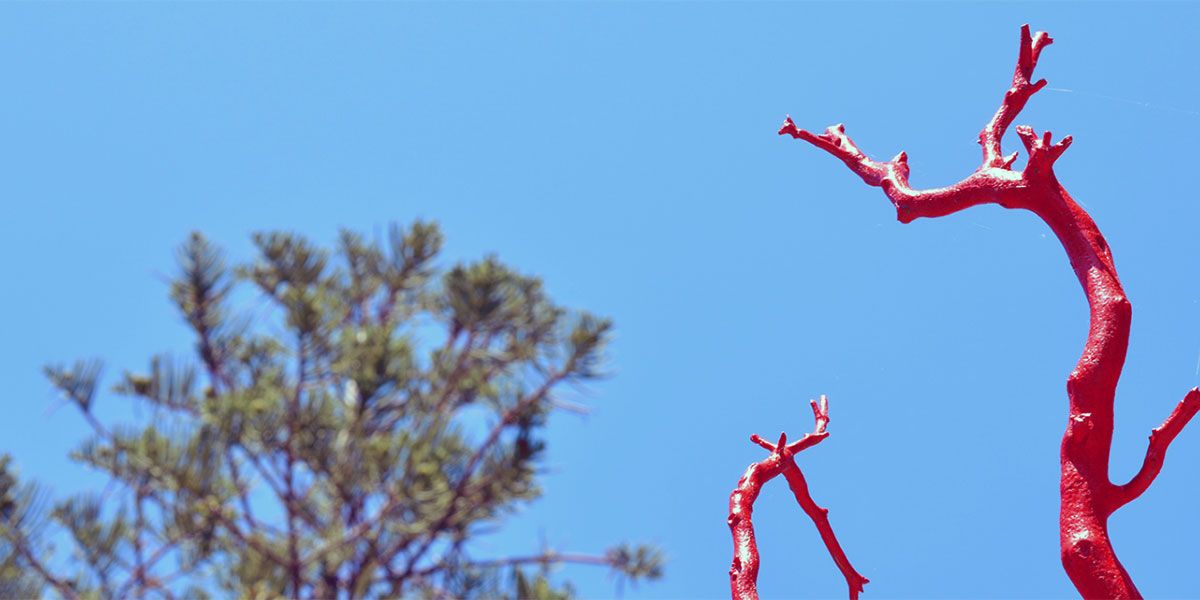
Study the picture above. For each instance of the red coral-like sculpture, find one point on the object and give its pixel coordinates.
(743, 575)
(1087, 494)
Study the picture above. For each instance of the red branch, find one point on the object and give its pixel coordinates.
(743, 575)
(1088, 496)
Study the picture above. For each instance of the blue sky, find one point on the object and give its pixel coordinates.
(626, 152)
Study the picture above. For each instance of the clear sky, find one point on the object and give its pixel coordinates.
(627, 153)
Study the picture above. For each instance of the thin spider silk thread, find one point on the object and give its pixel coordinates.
(1143, 104)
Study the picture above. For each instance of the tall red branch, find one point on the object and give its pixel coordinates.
(743, 575)
(1088, 497)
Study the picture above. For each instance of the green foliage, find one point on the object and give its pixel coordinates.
(328, 446)
(17, 523)
(539, 588)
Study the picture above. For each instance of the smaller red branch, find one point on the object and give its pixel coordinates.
(1014, 99)
(1160, 439)
(743, 575)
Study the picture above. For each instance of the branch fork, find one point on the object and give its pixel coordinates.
(743, 574)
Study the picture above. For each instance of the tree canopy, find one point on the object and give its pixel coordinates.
(348, 435)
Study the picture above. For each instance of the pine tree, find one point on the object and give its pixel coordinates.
(350, 441)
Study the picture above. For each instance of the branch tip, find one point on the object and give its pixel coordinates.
(821, 412)
(1008, 161)
(789, 128)
(761, 442)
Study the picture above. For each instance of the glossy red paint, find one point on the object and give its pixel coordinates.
(743, 575)
(1088, 496)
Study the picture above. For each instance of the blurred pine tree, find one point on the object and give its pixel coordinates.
(321, 451)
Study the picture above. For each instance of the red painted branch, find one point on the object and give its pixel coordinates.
(1088, 496)
(1015, 98)
(1160, 439)
(820, 517)
(743, 575)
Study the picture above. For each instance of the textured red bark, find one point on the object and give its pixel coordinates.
(1088, 496)
(743, 575)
